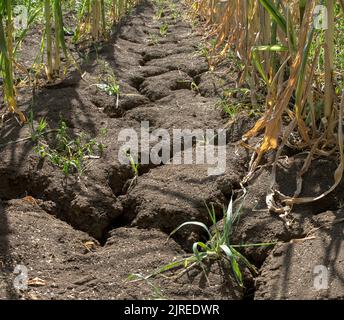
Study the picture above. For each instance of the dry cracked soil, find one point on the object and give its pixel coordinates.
(80, 238)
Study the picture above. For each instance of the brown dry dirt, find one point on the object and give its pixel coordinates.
(82, 236)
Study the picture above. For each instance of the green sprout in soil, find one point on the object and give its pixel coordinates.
(174, 12)
(103, 131)
(203, 51)
(160, 3)
(160, 13)
(194, 86)
(218, 248)
(157, 294)
(230, 105)
(163, 29)
(206, 50)
(110, 88)
(175, 15)
(39, 131)
(134, 166)
(109, 83)
(135, 169)
(69, 154)
(154, 39)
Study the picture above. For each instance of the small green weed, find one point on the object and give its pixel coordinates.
(159, 14)
(218, 247)
(157, 293)
(174, 11)
(194, 86)
(108, 83)
(134, 166)
(163, 29)
(111, 88)
(37, 133)
(153, 39)
(69, 154)
(232, 108)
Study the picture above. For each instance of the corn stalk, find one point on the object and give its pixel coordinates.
(94, 14)
(7, 57)
(276, 43)
(54, 38)
(92, 20)
(48, 34)
(329, 60)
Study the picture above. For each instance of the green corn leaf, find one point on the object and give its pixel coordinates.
(234, 263)
(236, 270)
(305, 56)
(275, 14)
(200, 255)
(172, 265)
(59, 26)
(3, 47)
(195, 223)
(256, 58)
(244, 260)
(226, 250)
(229, 218)
(251, 245)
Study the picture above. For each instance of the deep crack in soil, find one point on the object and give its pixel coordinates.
(83, 237)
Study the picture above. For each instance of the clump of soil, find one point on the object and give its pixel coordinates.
(309, 269)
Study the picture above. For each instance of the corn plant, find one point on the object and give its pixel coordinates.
(281, 47)
(68, 154)
(98, 19)
(55, 41)
(7, 57)
(92, 20)
(118, 9)
(219, 247)
(96, 15)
